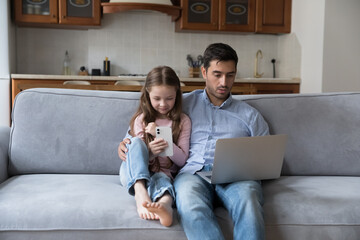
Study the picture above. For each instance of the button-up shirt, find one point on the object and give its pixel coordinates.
(234, 118)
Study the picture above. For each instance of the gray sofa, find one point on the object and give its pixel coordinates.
(59, 168)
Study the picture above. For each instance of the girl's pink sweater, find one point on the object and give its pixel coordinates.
(181, 148)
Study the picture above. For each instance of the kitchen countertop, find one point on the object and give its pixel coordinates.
(119, 78)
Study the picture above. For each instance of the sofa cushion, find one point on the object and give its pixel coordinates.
(323, 131)
(69, 203)
(298, 207)
(69, 131)
(79, 206)
(78, 131)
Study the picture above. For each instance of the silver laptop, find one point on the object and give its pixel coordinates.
(247, 158)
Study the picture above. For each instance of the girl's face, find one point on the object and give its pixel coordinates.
(162, 99)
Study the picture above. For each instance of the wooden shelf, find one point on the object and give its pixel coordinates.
(173, 11)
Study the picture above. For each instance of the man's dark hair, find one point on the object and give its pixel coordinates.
(220, 52)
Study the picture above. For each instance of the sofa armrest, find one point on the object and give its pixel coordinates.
(4, 149)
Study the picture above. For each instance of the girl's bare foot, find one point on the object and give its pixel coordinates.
(162, 210)
(141, 195)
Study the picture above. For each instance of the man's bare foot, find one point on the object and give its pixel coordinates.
(141, 195)
(163, 211)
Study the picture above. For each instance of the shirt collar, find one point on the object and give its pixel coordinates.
(226, 103)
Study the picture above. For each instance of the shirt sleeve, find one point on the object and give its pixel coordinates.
(139, 127)
(259, 126)
(181, 149)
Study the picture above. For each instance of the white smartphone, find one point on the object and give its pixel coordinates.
(166, 134)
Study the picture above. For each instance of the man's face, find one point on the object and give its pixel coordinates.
(220, 77)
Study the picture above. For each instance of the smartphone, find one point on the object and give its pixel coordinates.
(166, 134)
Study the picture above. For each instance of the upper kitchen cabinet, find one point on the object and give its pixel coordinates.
(217, 15)
(53, 12)
(198, 15)
(237, 15)
(273, 16)
(262, 16)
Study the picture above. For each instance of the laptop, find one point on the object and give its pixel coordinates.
(247, 158)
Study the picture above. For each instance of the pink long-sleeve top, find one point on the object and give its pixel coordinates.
(181, 148)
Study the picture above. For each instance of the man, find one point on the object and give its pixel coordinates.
(215, 114)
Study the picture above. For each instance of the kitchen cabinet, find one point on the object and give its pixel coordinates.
(261, 16)
(57, 12)
(20, 82)
(273, 16)
(250, 87)
(274, 88)
(217, 15)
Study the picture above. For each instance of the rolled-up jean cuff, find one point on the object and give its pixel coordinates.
(130, 185)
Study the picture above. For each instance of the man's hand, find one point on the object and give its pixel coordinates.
(122, 149)
(151, 128)
(157, 146)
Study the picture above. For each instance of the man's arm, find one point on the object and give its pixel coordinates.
(259, 126)
(122, 149)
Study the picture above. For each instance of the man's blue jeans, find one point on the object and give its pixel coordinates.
(195, 203)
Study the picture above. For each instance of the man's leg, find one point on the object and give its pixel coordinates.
(194, 201)
(244, 201)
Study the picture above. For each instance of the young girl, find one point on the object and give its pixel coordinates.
(145, 174)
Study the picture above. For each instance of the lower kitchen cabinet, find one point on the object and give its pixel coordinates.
(19, 84)
(256, 88)
(275, 88)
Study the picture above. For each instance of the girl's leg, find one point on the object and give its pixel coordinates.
(162, 194)
(134, 174)
(141, 197)
(162, 208)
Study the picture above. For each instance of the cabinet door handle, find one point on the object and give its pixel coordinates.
(54, 16)
(64, 17)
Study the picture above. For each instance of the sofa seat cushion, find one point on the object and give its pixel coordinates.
(46, 204)
(306, 206)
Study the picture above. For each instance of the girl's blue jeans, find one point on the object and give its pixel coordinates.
(136, 167)
(195, 204)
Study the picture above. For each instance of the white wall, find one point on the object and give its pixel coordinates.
(341, 68)
(308, 26)
(137, 41)
(5, 62)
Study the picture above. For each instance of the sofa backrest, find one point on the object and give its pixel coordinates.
(69, 131)
(323, 131)
(78, 131)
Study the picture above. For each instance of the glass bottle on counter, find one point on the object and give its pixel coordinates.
(66, 65)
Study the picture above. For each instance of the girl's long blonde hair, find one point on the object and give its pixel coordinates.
(162, 75)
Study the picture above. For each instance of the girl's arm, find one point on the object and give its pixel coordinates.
(181, 149)
(139, 130)
(139, 127)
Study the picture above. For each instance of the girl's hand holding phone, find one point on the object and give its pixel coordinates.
(157, 146)
(150, 128)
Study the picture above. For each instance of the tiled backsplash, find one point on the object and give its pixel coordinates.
(137, 41)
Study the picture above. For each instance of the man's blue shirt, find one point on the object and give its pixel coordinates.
(234, 118)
